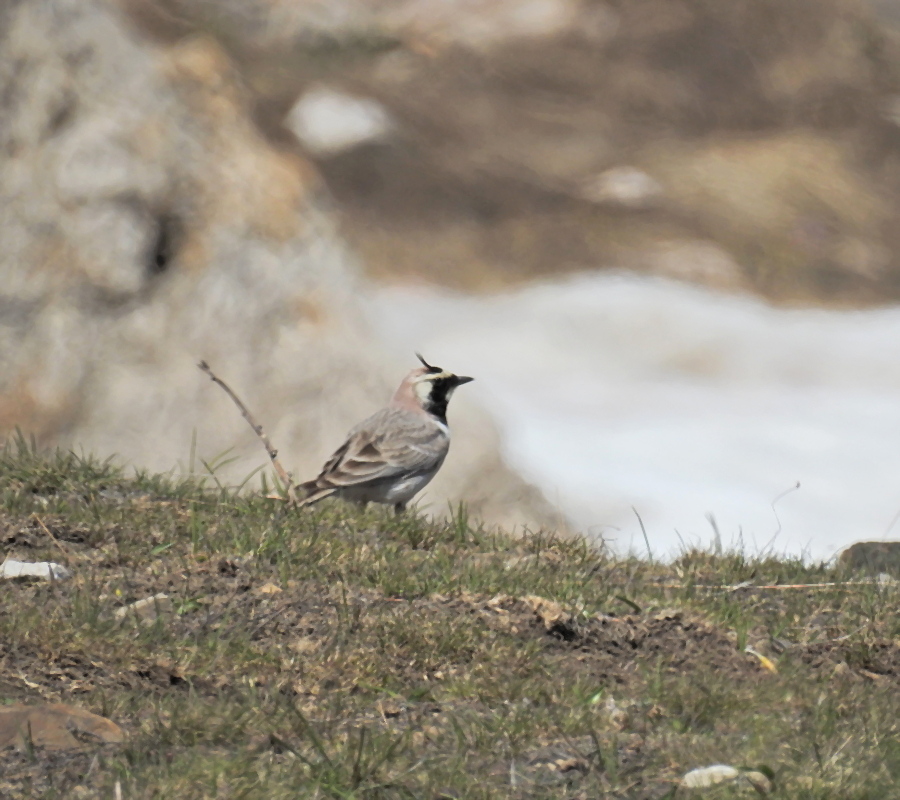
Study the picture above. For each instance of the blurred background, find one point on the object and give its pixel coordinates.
(664, 236)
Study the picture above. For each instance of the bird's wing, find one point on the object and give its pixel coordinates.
(390, 443)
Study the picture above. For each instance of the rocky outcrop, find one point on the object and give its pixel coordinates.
(147, 223)
(532, 138)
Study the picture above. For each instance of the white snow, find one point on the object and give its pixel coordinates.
(618, 392)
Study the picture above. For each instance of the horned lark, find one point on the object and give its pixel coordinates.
(393, 454)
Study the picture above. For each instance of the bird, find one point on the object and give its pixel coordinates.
(391, 456)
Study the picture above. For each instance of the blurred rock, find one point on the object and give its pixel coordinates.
(793, 207)
(424, 23)
(891, 106)
(693, 261)
(505, 106)
(873, 558)
(147, 223)
(887, 10)
(623, 186)
(479, 24)
(329, 121)
(754, 116)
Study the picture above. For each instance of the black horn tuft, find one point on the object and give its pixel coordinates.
(427, 365)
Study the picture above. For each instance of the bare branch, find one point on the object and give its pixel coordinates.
(283, 474)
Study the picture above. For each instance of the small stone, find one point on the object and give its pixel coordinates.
(617, 715)
(328, 121)
(550, 612)
(759, 781)
(55, 726)
(705, 777)
(304, 645)
(389, 709)
(48, 570)
(147, 610)
(556, 619)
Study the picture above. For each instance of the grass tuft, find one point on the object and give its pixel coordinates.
(342, 653)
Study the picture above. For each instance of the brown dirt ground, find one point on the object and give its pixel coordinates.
(232, 597)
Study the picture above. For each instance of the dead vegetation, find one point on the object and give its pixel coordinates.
(335, 653)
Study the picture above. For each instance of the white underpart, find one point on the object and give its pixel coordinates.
(400, 491)
(617, 391)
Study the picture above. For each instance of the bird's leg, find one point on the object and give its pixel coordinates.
(399, 508)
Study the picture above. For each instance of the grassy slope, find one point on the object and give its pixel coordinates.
(400, 658)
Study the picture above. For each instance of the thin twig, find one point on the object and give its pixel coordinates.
(49, 533)
(785, 493)
(738, 586)
(283, 474)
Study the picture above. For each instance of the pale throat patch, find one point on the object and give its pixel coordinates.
(423, 390)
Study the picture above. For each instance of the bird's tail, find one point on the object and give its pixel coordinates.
(314, 493)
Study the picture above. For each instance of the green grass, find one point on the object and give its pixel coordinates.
(340, 653)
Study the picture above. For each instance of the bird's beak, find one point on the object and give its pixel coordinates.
(459, 380)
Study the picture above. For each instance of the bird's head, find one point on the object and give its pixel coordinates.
(432, 388)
